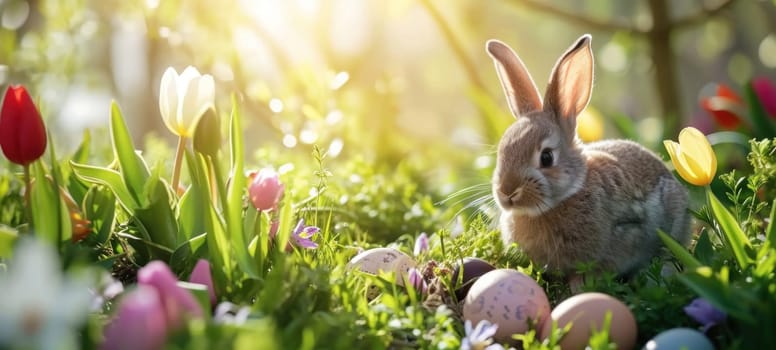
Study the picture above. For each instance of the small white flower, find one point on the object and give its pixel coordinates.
(480, 338)
(183, 99)
(40, 308)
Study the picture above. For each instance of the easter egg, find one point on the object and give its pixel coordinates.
(679, 338)
(508, 298)
(586, 312)
(375, 260)
(472, 269)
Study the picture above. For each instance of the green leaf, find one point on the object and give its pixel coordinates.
(8, 236)
(285, 226)
(158, 217)
(81, 155)
(234, 204)
(134, 171)
(679, 251)
(716, 289)
(108, 178)
(186, 255)
(192, 204)
(100, 209)
(734, 236)
(217, 242)
(45, 201)
(704, 250)
(770, 231)
(207, 137)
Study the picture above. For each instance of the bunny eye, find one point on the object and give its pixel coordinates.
(546, 158)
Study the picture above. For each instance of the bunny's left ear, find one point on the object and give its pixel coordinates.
(571, 82)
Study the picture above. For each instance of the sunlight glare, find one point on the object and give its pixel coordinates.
(289, 141)
(767, 51)
(335, 148)
(339, 80)
(152, 4)
(276, 105)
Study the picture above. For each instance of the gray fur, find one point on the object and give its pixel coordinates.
(602, 202)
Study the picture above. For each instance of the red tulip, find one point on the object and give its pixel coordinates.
(766, 93)
(725, 106)
(22, 133)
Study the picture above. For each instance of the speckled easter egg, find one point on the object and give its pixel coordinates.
(679, 338)
(472, 269)
(587, 311)
(509, 299)
(375, 260)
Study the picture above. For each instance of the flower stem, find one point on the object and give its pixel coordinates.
(176, 171)
(27, 189)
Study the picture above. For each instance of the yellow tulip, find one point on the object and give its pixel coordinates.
(693, 157)
(590, 125)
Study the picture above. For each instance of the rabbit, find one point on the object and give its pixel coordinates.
(567, 203)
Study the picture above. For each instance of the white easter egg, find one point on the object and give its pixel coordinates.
(375, 260)
(508, 298)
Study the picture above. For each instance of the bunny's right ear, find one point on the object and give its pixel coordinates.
(520, 90)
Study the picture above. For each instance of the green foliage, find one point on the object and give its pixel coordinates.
(744, 289)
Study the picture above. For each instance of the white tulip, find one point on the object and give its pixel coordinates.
(184, 99)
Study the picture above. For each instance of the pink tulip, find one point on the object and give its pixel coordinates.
(140, 322)
(265, 189)
(177, 301)
(201, 274)
(766, 93)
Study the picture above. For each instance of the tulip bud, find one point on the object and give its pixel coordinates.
(693, 157)
(201, 274)
(22, 133)
(766, 93)
(177, 301)
(416, 280)
(265, 190)
(207, 137)
(421, 244)
(140, 322)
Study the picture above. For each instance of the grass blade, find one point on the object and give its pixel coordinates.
(134, 171)
(234, 194)
(679, 251)
(736, 238)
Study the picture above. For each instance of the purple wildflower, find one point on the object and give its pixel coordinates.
(302, 235)
(704, 313)
(416, 280)
(481, 337)
(421, 244)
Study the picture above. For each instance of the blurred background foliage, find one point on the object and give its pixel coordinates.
(399, 94)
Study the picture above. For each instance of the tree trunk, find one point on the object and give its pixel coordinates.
(659, 38)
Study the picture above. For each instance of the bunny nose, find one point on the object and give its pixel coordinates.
(510, 193)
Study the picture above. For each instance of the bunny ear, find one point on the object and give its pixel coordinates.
(571, 83)
(519, 88)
